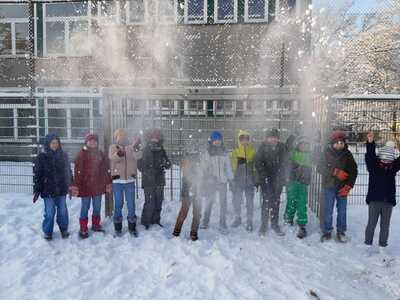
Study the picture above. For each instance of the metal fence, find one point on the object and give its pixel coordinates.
(357, 115)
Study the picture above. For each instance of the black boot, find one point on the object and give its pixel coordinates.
(193, 236)
(176, 232)
(64, 234)
(118, 228)
(302, 232)
(326, 237)
(132, 228)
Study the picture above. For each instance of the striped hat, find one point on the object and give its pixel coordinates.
(387, 152)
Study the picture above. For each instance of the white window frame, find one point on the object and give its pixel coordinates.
(131, 111)
(167, 19)
(246, 13)
(65, 21)
(201, 112)
(224, 112)
(14, 108)
(186, 16)
(235, 13)
(13, 21)
(110, 19)
(248, 111)
(146, 14)
(160, 110)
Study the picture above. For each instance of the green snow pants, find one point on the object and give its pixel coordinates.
(297, 195)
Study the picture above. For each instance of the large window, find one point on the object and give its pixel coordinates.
(256, 10)
(14, 33)
(136, 12)
(225, 11)
(17, 121)
(66, 28)
(195, 11)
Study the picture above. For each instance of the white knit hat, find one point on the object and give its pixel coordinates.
(387, 152)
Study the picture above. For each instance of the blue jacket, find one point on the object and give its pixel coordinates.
(382, 177)
(52, 174)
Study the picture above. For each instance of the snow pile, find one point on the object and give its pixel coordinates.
(239, 265)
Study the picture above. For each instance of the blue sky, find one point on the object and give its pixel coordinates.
(358, 4)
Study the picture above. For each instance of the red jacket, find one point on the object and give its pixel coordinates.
(92, 173)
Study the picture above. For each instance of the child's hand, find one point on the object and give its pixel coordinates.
(370, 137)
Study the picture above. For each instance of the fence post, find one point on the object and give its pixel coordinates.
(107, 115)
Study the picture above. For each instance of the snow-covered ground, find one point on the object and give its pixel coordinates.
(239, 265)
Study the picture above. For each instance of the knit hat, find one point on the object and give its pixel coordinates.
(91, 136)
(155, 134)
(387, 152)
(273, 132)
(302, 139)
(215, 136)
(337, 135)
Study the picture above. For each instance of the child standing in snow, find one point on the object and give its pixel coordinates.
(123, 160)
(51, 181)
(217, 174)
(339, 172)
(381, 197)
(191, 178)
(270, 163)
(152, 166)
(92, 179)
(242, 160)
(297, 187)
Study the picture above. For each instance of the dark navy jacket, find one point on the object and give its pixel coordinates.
(382, 177)
(52, 174)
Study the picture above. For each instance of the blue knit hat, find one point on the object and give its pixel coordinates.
(215, 136)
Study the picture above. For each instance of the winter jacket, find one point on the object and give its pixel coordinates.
(300, 167)
(123, 167)
(52, 173)
(242, 161)
(191, 174)
(271, 164)
(91, 173)
(382, 177)
(217, 166)
(152, 165)
(343, 160)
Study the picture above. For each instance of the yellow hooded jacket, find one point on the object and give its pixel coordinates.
(242, 160)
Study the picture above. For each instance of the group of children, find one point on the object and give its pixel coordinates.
(208, 175)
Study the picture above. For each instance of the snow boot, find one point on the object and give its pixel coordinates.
(341, 237)
(236, 223)
(302, 233)
(176, 232)
(193, 236)
(48, 237)
(263, 229)
(289, 222)
(204, 225)
(83, 232)
(64, 233)
(96, 226)
(326, 237)
(132, 228)
(278, 231)
(118, 228)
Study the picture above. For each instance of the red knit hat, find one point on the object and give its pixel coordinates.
(337, 135)
(91, 136)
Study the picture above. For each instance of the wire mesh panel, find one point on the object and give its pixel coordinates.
(357, 116)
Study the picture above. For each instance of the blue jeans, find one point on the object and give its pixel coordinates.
(51, 205)
(96, 200)
(121, 189)
(331, 194)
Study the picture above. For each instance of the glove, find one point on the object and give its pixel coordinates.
(340, 174)
(108, 188)
(241, 160)
(344, 191)
(136, 144)
(121, 153)
(35, 198)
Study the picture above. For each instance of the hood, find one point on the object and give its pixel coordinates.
(243, 133)
(50, 137)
